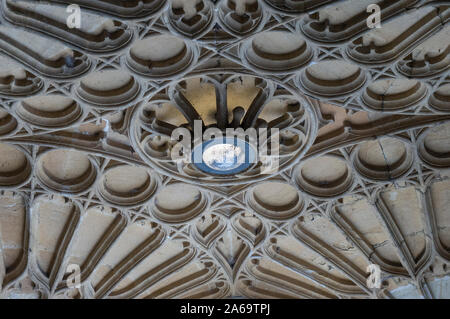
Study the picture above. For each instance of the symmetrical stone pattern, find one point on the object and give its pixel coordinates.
(86, 117)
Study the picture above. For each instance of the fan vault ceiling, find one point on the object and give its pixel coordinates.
(86, 117)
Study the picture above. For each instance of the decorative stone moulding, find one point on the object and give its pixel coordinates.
(435, 201)
(296, 6)
(383, 159)
(231, 261)
(208, 228)
(96, 33)
(385, 44)
(430, 57)
(240, 17)
(46, 56)
(161, 56)
(275, 200)
(440, 100)
(52, 211)
(341, 21)
(249, 226)
(277, 51)
(261, 269)
(417, 254)
(89, 119)
(15, 80)
(14, 237)
(126, 185)
(15, 166)
(256, 109)
(326, 176)
(49, 111)
(332, 78)
(126, 9)
(358, 214)
(191, 202)
(394, 94)
(108, 88)
(239, 156)
(309, 229)
(191, 18)
(417, 40)
(282, 249)
(8, 124)
(66, 171)
(433, 146)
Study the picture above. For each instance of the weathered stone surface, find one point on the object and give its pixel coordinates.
(88, 124)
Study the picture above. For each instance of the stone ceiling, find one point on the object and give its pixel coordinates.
(86, 117)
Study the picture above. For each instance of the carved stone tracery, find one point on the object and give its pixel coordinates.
(86, 118)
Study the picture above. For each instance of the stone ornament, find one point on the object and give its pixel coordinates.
(87, 117)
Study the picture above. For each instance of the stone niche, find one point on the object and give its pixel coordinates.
(89, 117)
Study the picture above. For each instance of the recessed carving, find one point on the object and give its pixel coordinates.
(160, 55)
(231, 252)
(52, 225)
(275, 200)
(441, 98)
(240, 17)
(190, 202)
(66, 171)
(96, 33)
(393, 94)
(383, 159)
(15, 80)
(438, 195)
(219, 103)
(126, 185)
(8, 124)
(126, 9)
(13, 235)
(430, 57)
(15, 166)
(387, 43)
(208, 228)
(44, 55)
(340, 22)
(49, 111)
(296, 6)
(326, 176)
(277, 51)
(105, 89)
(434, 147)
(138, 240)
(89, 153)
(409, 230)
(299, 256)
(332, 78)
(192, 17)
(359, 221)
